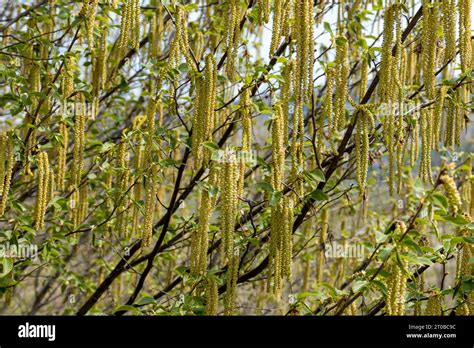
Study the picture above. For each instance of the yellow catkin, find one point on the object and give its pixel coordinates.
(323, 236)
(428, 47)
(204, 114)
(79, 135)
(232, 38)
(396, 287)
(434, 305)
(342, 74)
(362, 149)
(438, 117)
(385, 87)
(42, 191)
(150, 202)
(426, 142)
(150, 132)
(99, 67)
(122, 192)
(328, 104)
(90, 21)
(3, 157)
(180, 45)
(7, 177)
(232, 275)
(200, 242)
(464, 269)
(156, 31)
(263, 11)
(228, 188)
(246, 117)
(286, 95)
(62, 156)
(67, 75)
(278, 149)
(465, 46)
(452, 192)
(212, 297)
(278, 22)
(448, 9)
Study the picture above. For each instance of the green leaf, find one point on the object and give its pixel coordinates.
(210, 145)
(275, 198)
(318, 195)
(327, 27)
(127, 308)
(146, 300)
(441, 200)
(359, 285)
(6, 266)
(264, 186)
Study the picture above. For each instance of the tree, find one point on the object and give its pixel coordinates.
(236, 157)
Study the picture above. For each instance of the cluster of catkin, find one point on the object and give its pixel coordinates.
(130, 24)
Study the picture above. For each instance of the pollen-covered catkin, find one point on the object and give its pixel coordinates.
(67, 75)
(362, 149)
(278, 21)
(212, 296)
(3, 157)
(246, 117)
(426, 123)
(428, 47)
(232, 275)
(385, 86)
(438, 117)
(42, 191)
(448, 9)
(204, 112)
(79, 130)
(6, 179)
(396, 287)
(434, 305)
(228, 188)
(232, 38)
(342, 74)
(150, 202)
(465, 46)
(278, 149)
(62, 156)
(452, 192)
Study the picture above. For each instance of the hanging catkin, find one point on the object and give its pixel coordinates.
(465, 46)
(448, 9)
(232, 38)
(278, 149)
(204, 114)
(122, 192)
(3, 157)
(228, 189)
(99, 67)
(327, 107)
(212, 296)
(150, 202)
(79, 129)
(428, 47)
(7, 155)
(246, 117)
(180, 45)
(452, 192)
(67, 75)
(396, 287)
(232, 275)
(278, 22)
(426, 142)
(62, 156)
(199, 243)
(385, 85)
(438, 116)
(287, 75)
(342, 74)
(263, 11)
(156, 31)
(434, 305)
(362, 149)
(42, 191)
